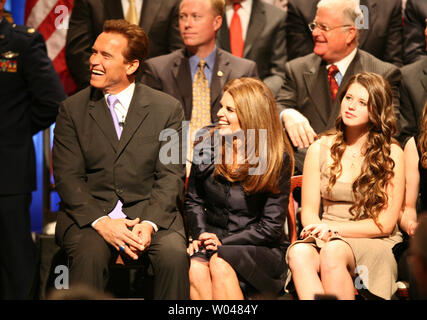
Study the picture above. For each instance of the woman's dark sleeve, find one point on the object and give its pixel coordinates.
(269, 230)
(194, 205)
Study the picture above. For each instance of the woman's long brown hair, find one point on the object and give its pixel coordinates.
(256, 109)
(369, 188)
(422, 137)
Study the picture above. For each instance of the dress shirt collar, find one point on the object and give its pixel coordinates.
(344, 63)
(124, 96)
(210, 63)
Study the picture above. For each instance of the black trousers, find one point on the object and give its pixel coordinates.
(17, 249)
(90, 256)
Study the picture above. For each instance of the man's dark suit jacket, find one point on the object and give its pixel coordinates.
(171, 74)
(413, 96)
(383, 38)
(93, 169)
(414, 41)
(159, 19)
(306, 89)
(265, 42)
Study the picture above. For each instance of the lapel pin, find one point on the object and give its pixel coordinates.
(220, 73)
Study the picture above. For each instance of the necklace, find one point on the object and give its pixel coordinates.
(355, 158)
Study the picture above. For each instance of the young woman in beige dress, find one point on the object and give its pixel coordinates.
(355, 175)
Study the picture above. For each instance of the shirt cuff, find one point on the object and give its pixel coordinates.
(93, 223)
(153, 225)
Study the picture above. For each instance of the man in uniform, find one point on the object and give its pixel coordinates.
(30, 93)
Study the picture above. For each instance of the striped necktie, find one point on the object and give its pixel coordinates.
(333, 84)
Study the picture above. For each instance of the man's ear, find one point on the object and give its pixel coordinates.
(217, 23)
(352, 35)
(132, 67)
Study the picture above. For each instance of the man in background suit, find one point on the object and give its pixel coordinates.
(174, 73)
(415, 20)
(118, 194)
(413, 95)
(264, 37)
(30, 93)
(178, 73)
(383, 38)
(159, 19)
(310, 107)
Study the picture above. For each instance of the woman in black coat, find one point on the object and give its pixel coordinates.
(237, 197)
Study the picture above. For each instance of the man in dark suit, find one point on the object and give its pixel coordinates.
(118, 194)
(173, 73)
(265, 40)
(415, 20)
(310, 107)
(413, 95)
(176, 73)
(159, 19)
(30, 93)
(380, 34)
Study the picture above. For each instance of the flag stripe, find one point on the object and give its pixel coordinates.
(50, 18)
(53, 20)
(29, 4)
(55, 43)
(39, 12)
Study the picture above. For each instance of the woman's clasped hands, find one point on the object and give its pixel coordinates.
(321, 231)
(206, 241)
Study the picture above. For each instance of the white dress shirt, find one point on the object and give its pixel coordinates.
(343, 66)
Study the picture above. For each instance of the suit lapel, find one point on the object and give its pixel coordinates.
(223, 38)
(138, 111)
(99, 111)
(220, 77)
(182, 76)
(316, 80)
(113, 10)
(257, 22)
(150, 8)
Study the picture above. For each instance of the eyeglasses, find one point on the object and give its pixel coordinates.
(322, 27)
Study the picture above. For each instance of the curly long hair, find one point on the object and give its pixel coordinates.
(369, 188)
(257, 110)
(422, 137)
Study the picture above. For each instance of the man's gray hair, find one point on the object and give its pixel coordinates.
(350, 10)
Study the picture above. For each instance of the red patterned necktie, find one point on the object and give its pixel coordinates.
(236, 34)
(333, 84)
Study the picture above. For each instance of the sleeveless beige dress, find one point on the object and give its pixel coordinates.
(376, 267)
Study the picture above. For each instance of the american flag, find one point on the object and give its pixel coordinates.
(50, 18)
